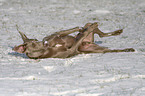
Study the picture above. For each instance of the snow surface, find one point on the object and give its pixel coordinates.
(112, 74)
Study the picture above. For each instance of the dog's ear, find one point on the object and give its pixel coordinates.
(20, 49)
(23, 36)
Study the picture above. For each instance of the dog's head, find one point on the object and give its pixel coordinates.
(31, 47)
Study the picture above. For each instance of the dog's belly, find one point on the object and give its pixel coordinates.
(69, 41)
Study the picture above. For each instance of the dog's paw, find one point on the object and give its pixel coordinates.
(129, 50)
(118, 32)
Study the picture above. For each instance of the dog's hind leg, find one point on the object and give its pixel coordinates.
(83, 36)
(74, 49)
(119, 50)
(90, 37)
(102, 34)
(94, 48)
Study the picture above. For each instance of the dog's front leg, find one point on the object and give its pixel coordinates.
(69, 31)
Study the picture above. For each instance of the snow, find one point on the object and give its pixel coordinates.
(101, 12)
(110, 74)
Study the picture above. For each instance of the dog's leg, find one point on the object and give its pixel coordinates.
(112, 51)
(66, 32)
(118, 50)
(72, 30)
(102, 34)
(59, 35)
(74, 49)
(83, 36)
(62, 33)
(94, 48)
(90, 37)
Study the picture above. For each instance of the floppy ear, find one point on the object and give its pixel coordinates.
(20, 49)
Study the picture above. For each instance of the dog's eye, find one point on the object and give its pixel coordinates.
(46, 43)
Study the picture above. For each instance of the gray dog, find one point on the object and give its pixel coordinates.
(62, 45)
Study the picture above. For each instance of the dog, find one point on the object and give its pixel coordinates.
(62, 45)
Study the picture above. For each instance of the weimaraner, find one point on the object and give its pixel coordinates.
(62, 45)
